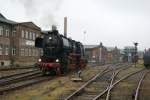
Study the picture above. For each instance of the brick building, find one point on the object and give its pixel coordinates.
(100, 54)
(113, 55)
(17, 42)
(96, 53)
(26, 53)
(6, 33)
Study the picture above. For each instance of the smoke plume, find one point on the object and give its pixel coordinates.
(42, 11)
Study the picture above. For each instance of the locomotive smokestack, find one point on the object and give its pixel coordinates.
(65, 26)
(54, 28)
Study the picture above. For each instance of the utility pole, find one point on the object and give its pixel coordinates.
(135, 55)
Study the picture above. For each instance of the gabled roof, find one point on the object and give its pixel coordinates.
(4, 20)
(1, 16)
(30, 24)
(90, 46)
(110, 48)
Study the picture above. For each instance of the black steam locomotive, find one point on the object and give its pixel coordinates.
(60, 53)
(147, 59)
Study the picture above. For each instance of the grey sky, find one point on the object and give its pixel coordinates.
(113, 22)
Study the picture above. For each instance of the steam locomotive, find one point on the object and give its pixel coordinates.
(147, 59)
(60, 54)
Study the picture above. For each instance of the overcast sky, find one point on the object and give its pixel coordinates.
(112, 22)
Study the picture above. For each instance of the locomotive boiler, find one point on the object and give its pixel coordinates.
(60, 54)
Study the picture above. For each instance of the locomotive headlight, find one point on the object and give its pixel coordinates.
(50, 38)
(57, 60)
(40, 60)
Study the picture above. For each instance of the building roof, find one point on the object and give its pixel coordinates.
(30, 24)
(110, 48)
(5, 20)
(1, 16)
(90, 46)
(129, 47)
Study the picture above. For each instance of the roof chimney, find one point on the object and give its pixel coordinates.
(65, 26)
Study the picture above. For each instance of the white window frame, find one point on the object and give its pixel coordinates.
(30, 35)
(7, 32)
(1, 31)
(27, 36)
(13, 51)
(6, 50)
(14, 33)
(33, 36)
(22, 33)
(1, 50)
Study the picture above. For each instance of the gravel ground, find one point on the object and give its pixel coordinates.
(125, 90)
(60, 87)
(54, 89)
(145, 88)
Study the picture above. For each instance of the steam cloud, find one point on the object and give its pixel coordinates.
(42, 10)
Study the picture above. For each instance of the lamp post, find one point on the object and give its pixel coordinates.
(135, 55)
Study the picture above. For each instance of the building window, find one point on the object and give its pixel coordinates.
(22, 34)
(26, 52)
(33, 36)
(1, 30)
(6, 50)
(14, 33)
(1, 49)
(27, 35)
(7, 33)
(29, 52)
(22, 51)
(13, 51)
(30, 35)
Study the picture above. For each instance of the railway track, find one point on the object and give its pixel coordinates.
(19, 80)
(106, 94)
(144, 89)
(17, 74)
(102, 84)
(22, 84)
(136, 97)
(85, 92)
(17, 68)
(19, 77)
(12, 82)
